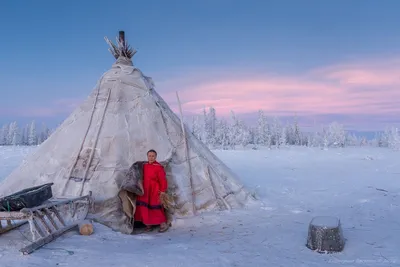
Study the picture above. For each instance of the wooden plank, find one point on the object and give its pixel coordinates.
(53, 203)
(37, 227)
(13, 226)
(48, 214)
(74, 209)
(43, 241)
(55, 211)
(43, 221)
(12, 215)
(187, 156)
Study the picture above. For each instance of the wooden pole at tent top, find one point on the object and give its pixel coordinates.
(122, 37)
(187, 154)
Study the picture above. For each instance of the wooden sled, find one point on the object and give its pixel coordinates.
(47, 221)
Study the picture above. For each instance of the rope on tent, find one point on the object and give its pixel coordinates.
(217, 196)
(224, 182)
(84, 137)
(174, 147)
(96, 140)
(187, 155)
(241, 188)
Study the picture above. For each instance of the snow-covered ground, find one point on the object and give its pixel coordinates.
(359, 185)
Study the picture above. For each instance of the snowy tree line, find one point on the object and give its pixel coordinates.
(220, 133)
(29, 135)
(390, 138)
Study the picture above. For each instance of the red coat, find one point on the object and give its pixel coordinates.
(149, 209)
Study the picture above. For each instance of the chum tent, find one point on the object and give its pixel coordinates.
(96, 146)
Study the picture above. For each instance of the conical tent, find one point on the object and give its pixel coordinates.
(119, 122)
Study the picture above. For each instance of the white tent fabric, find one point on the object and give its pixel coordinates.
(118, 123)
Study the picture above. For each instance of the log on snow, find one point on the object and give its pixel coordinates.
(85, 227)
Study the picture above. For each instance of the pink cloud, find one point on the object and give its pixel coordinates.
(363, 77)
(362, 89)
(371, 73)
(357, 88)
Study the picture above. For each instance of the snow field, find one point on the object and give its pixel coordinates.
(360, 186)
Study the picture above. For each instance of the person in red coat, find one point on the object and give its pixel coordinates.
(149, 209)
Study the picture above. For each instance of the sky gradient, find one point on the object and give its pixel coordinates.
(320, 60)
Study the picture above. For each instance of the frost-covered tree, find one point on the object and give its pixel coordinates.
(12, 134)
(333, 135)
(244, 137)
(32, 138)
(392, 138)
(202, 125)
(234, 131)
(4, 135)
(261, 133)
(282, 138)
(210, 122)
(239, 133)
(24, 137)
(44, 134)
(198, 127)
(336, 135)
(289, 131)
(309, 141)
(352, 140)
(12, 138)
(222, 134)
(195, 129)
(276, 131)
(297, 133)
(324, 137)
(16, 138)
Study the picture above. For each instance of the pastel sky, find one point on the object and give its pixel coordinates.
(320, 60)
